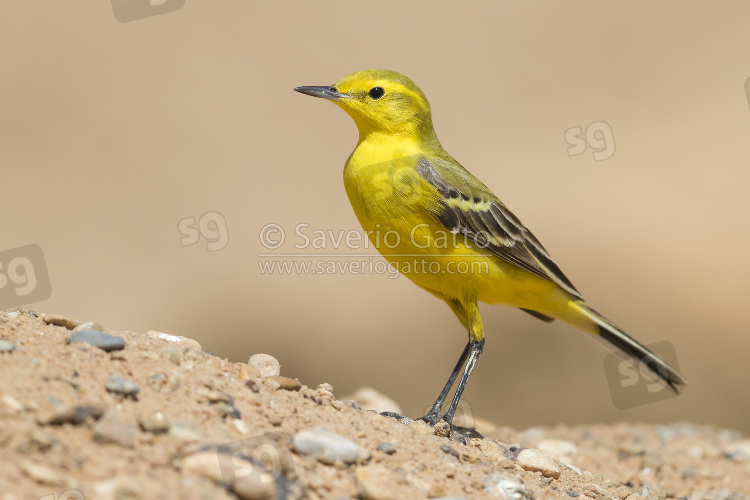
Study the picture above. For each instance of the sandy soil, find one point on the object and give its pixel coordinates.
(161, 418)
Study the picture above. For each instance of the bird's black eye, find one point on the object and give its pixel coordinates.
(376, 92)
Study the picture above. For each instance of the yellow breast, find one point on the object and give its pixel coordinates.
(395, 207)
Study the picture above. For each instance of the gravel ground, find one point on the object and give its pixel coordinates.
(152, 416)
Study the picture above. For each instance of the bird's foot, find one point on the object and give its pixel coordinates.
(456, 432)
(431, 418)
(447, 429)
(442, 428)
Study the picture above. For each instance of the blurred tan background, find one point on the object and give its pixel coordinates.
(111, 133)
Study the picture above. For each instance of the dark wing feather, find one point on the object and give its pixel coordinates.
(538, 315)
(486, 221)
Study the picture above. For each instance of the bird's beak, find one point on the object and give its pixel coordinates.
(326, 92)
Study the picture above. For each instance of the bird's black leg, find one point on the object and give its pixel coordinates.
(433, 416)
(475, 349)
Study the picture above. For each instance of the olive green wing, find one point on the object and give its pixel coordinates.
(470, 208)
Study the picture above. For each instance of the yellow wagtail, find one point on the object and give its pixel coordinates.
(420, 206)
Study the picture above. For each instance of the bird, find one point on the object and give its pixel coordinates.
(449, 234)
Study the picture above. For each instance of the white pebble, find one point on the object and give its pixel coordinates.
(171, 338)
(239, 426)
(557, 448)
(326, 446)
(266, 365)
(571, 467)
(538, 461)
(208, 464)
(739, 450)
(41, 473)
(499, 485)
(175, 338)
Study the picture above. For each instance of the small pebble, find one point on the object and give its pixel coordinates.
(738, 450)
(112, 428)
(325, 391)
(253, 385)
(210, 464)
(121, 385)
(89, 325)
(557, 448)
(103, 341)
(41, 440)
(185, 431)
(265, 364)
(6, 346)
(260, 485)
(326, 387)
(442, 429)
(12, 403)
(570, 467)
(593, 490)
(386, 448)
(325, 446)
(58, 320)
(69, 414)
(449, 451)
(572, 493)
(42, 474)
(274, 419)
(286, 383)
(498, 454)
(352, 404)
(239, 426)
(154, 425)
(729, 435)
(498, 485)
(536, 461)
(188, 342)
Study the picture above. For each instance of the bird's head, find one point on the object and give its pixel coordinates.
(382, 101)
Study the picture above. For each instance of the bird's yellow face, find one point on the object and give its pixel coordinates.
(379, 101)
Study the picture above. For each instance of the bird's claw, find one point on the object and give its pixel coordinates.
(431, 418)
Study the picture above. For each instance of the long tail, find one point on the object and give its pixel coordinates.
(621, 340)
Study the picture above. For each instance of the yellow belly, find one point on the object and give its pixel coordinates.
(393, 203)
